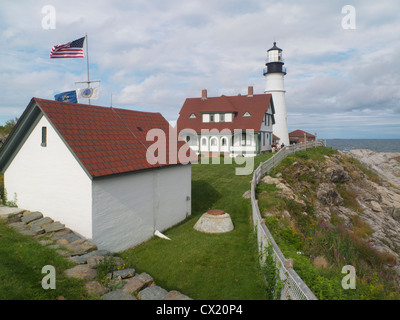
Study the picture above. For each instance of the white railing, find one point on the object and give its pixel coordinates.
(294, 287)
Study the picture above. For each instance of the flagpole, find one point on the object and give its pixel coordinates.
(87, 61)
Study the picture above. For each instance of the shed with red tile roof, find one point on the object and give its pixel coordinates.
(298, 136)
(93, 169)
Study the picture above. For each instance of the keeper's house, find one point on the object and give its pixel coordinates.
(86, 167)
(229, 125)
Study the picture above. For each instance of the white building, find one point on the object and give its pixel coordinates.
(229, 125)
(274, 73)
(86, 167)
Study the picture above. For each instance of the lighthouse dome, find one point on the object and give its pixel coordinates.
(275, 48)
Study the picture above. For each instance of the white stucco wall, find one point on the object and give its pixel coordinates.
(50, 180)
(128, 208)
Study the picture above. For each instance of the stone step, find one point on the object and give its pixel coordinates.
(32, 216)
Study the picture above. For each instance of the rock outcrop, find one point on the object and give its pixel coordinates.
(339, 187)
(386, 164)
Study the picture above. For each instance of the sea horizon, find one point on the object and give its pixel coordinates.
(376, 145)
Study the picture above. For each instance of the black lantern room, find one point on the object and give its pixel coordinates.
(274, 61)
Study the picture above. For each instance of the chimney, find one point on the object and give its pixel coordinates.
(250, 91)
(204, 94)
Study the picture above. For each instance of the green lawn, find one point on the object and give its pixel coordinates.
(21, 261)
(208, 266)
(202, 266)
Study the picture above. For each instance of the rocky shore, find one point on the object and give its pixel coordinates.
(367, 203)
(386, 164)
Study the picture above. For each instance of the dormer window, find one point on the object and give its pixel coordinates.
(246, 114)
(192, 116)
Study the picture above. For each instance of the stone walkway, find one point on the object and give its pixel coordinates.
(120, 284)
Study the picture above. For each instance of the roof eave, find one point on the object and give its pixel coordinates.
(19, 134)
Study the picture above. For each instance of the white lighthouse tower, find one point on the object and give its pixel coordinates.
(274, 72)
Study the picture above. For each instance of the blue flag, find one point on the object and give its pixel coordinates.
(68, 96)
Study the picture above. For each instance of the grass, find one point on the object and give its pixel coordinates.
(21, 261)
(203, 266)
(208, 266)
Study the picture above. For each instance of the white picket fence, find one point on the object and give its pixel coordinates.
(294, 287)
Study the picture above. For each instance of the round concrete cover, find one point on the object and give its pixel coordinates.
(214, 222)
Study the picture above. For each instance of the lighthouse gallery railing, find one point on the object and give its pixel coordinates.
(294, 287)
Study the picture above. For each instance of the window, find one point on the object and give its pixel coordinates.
(222, 117)
(187, 138)
(213, 142)
(204, 142)
(44, 137)
(211, 117)
(243, 139)
(223, 142)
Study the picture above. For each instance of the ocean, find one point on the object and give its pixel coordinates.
(377, 145)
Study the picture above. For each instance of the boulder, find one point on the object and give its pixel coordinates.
(152, 293)
(118, 295)
(94, 261)
(175, 295)
(270, 180)
(125, 273)
(54, 226)
(40, 222)
(320, 262)
(376, 206)
(81, 271)
(95, 287)
(337, 173)
(327, 194)
(133, 285)
(61, 233)
(247, 194)
(146, 278)
(80, 247)
(37, 230)
(19, 226)
(32, 216)
(82, 259)
(209, 223)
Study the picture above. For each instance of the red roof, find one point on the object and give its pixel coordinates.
(300, 133)
(257, 105)
(107, 140)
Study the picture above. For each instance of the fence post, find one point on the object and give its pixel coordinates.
(315, 139)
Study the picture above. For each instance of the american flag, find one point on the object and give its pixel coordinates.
(72, 49)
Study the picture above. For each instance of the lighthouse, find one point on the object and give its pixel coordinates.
(274, 73)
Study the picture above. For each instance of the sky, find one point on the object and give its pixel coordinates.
(343, 70)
